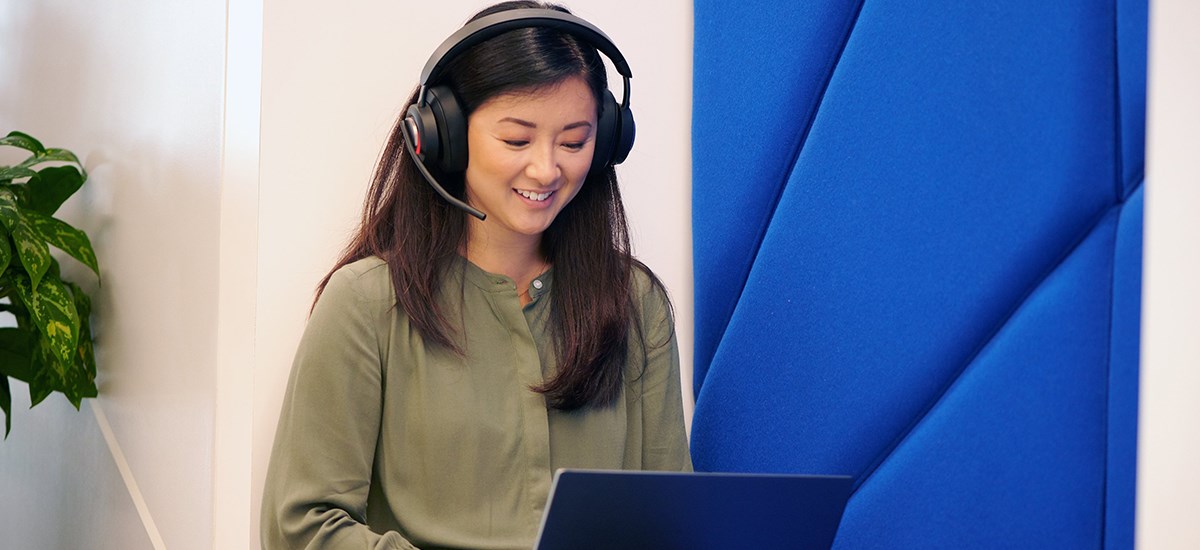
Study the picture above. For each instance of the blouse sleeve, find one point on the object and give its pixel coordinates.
(665, 444)
(321, 462)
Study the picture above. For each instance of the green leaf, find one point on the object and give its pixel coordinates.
(8, 208)
(15, 306)
(6, 404)
(60, 155)
(31, 250)
(19, 192)
(85, 353)
(67, 379)
(47, 372)
(73, 381)
(78, 386)
(51, 187)
(5, 249)
(66, 238)
(42, 385)
(50, 155)
(9, 173)
(15, 354)
(24, 141)
(53, 310)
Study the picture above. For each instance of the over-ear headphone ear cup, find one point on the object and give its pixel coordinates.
(614, 134)
(606, 129)
(628, 129)
(450, 129)
(421, 124)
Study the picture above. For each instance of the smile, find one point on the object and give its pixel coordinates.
(534, 196)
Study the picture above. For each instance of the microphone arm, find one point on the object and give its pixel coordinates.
(408, 139)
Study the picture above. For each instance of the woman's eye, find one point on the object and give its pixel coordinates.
(516, 142)
(574, 146)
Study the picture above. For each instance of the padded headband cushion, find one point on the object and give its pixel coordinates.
(496, 24)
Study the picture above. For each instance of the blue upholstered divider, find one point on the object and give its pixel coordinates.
(917, 245)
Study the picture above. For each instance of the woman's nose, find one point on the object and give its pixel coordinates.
(543, 166)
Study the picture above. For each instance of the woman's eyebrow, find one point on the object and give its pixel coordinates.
(527, 124)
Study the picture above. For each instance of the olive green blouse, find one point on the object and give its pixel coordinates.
(386, 442)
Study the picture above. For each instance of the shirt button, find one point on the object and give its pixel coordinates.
(537, 284)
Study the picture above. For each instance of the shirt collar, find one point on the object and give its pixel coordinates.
(494, 282)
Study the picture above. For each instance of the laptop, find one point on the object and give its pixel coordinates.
(602, 509)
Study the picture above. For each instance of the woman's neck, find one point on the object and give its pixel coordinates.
(520, 259)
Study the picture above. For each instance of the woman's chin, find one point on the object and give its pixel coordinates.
(529, 226)
(533, 230)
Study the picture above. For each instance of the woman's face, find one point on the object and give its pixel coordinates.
(529, 154)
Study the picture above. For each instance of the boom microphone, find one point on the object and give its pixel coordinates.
(409, 132)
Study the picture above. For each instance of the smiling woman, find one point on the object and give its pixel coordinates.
(530, 153)
(452, 363)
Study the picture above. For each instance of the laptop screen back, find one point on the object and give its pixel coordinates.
(693, 511)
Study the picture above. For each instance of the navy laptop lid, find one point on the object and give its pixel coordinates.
(600, 509)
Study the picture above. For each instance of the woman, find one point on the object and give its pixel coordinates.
(451, 364)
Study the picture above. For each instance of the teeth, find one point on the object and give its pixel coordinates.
(534, 196)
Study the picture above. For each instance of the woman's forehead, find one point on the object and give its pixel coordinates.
(571, 98)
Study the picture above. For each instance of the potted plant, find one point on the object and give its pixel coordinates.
(50, 348)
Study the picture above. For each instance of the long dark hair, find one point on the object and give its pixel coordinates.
(419, 235)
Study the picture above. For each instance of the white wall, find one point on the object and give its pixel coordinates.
(1169, 416)
(333, 82)
(134, 87)
(91, 506)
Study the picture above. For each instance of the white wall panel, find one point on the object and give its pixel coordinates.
(236, 330)
(61, 488)
(1169, 417)
(135, 88)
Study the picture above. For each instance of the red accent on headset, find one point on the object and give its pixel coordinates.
(418, 144)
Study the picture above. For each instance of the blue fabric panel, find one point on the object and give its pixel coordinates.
(959, 151)
(1123, 376)
(759, 69)
(1012, 456)
(1131, 63)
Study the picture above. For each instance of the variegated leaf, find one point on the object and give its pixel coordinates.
(5, 249)
(66, 238)
(85, 354)
(52, 307)
(9, 173)
(8, 208)
(69, 379)
(44, 382)
(24, 141)
(31, 250)
(78, 385)
(50, 155)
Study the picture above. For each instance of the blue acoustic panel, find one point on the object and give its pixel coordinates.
(760, 67)
(960, 150)
(1131, 63)
(1012, 456)
(1123, 376)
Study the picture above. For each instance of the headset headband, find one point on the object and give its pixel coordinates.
(496, 24)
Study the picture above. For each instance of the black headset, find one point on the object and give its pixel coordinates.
(435, 130)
